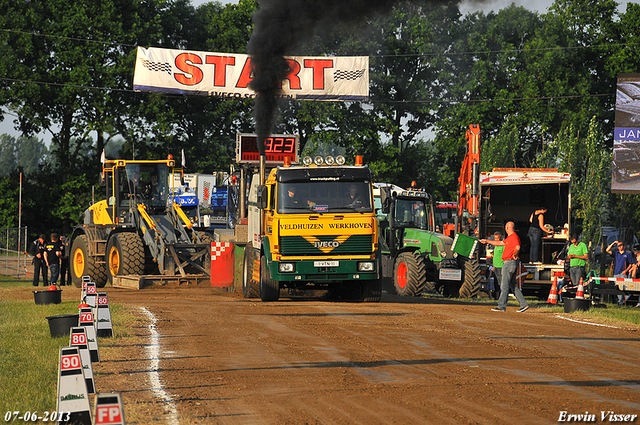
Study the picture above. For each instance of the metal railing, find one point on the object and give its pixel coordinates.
(14, 259)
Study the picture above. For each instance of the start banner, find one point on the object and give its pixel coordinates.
(228, 75)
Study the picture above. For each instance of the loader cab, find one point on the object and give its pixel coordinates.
(129, 184)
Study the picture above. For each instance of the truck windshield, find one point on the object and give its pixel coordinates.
(324, 197)
(410, 213)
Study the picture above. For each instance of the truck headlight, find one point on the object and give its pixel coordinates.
(366, 266)
(287, 267)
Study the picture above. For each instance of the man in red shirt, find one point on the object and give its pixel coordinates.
(510, 257)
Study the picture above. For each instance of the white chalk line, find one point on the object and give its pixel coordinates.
(153, 352)
(586, 323)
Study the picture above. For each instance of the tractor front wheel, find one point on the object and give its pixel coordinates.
(410, 274)
(125, 255)
(83, 264)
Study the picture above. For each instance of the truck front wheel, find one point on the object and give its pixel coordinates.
(410, 274)
(269, 288)
(250, 288)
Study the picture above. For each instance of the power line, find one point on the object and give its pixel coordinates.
(426, 101)
(398, 55)
(62, 37)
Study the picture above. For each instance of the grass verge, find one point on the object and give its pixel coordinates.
(29, 356)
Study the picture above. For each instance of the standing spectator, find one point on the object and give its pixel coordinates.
(37, 251)
(635, 269)
(536, 227)
(511, 246)
(622, 263)
(577, 255)
(65, 270)
(52, 254)
(496, 257)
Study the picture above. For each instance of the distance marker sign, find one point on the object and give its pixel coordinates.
(109, 409)
(72, 388)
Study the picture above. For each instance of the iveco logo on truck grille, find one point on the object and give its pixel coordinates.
(326, 244)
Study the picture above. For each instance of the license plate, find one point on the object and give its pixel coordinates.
(450, 274)
(326, 263)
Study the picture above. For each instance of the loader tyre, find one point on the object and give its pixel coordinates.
(269, 288)
(125, 255)
(250, 288)
(471, 279)
(410, 274)
(82, 264)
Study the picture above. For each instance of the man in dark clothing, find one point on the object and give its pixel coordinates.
(65, 270)
(52, 254)
(37, 251)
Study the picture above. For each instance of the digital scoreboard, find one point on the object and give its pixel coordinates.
(277, 147)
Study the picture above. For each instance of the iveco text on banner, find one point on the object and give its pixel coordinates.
(228, 75)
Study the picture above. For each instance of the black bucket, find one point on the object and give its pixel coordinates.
(48, 297)
(573, 304)
(60, 325)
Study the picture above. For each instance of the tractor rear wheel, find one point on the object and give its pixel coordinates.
(410, 274)
(83, 264)
(269, 288)
(471, 283)
(125, 255)
(250, 287)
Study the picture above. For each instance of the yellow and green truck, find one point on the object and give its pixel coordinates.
(312, 227)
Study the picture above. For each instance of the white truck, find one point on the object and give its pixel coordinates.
(512, 194)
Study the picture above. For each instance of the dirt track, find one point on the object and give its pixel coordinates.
(227, 360)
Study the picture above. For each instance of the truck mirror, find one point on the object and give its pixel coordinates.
(385, 199)
(101, 181)
(262, 197)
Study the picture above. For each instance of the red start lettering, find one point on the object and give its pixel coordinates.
(245, 75)
(318, 66)
(192, 74)
(220, 64)
(186, 62)
(292, 76)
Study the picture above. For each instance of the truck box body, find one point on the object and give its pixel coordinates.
(512, 195)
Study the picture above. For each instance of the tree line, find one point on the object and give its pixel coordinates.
(541, 86)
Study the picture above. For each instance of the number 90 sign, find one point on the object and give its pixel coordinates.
(70, 362)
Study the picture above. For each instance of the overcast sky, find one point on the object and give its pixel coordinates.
(540, 6)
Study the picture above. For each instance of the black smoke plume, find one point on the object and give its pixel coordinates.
(279, 26)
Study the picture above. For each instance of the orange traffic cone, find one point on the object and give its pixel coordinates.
(580, 291)
(553, 294)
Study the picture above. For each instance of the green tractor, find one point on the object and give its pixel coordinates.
(416, 258)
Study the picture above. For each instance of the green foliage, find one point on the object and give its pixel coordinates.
(588, 160)
(503, 151)
(9, 202)
(24, 153)
(74, 197)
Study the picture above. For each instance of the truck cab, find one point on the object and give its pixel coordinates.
(312, 226)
